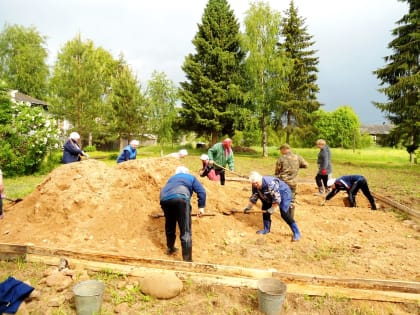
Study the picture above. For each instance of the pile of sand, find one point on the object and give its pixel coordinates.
(92, 207)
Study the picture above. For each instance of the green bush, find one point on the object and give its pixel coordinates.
(89, 148)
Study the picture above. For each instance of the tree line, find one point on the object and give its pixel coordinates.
(258, 86)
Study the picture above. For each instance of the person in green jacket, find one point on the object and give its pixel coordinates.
(220, 155)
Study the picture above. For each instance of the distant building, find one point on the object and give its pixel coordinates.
(20, 97)
(377, 132)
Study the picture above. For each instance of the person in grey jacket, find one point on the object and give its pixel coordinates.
(175, 199)
(324, 166)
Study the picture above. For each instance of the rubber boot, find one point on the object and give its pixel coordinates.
(267, 227)
(187, 254)
(292, 211)
(296, 233)
(373, 207)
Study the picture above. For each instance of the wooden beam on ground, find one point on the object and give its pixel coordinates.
(215, 279)
(369, 289)
(411, 212)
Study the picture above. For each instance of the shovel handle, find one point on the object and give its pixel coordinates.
(226, 169)
(161, 215)
(13, 200)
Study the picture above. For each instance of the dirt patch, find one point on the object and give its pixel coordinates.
(94, 207)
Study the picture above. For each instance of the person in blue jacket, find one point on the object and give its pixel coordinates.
(175, 199)
(72, 151)
(350, 184)
(273, 193)
(129, 152)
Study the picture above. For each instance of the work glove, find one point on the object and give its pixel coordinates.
(200, 212)
(211, 162)
(271, 210)
(324, 171)
(247, 209)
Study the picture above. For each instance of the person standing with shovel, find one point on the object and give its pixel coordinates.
(220, 155)
(273, 193)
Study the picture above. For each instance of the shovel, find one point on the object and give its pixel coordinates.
(161, 215)
(13, 200)
(226, 169)
(233, 211)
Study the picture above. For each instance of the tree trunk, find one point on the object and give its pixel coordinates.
(121, 143)
(288, 128)
(213, 138)
(265, 137)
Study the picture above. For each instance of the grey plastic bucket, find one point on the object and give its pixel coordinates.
(88, 297)
(271, 295)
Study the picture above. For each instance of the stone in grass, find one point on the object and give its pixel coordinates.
(161, 285)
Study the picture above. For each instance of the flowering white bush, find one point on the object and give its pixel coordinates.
(28, 134)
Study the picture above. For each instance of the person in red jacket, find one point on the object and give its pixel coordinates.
(208, 170)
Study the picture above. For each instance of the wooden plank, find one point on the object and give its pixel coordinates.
(130, 263)
(413, 213)
(11, 251)
(358, 283)
(214, 279)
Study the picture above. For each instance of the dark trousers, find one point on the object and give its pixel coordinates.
(321, 179)
(284, 215)
(363, 185)
(1, 206)
(221, 172)
(178, 211)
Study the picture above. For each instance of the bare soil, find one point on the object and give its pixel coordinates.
(90, 206)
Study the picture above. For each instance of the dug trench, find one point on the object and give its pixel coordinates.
(95, 208)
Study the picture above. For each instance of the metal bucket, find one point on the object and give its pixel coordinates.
(88, 297)
(271, 295)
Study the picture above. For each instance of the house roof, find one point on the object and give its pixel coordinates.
(20, 97)
(376, 129)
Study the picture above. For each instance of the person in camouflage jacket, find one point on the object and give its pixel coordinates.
(287, 168)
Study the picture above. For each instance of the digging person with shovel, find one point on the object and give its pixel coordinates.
(220, 155)
(175, 199)
(273, 194)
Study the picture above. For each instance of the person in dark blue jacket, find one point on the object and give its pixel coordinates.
(129, 152)
(72, 151)
(175, 199)
(273, 193)
(351, 184)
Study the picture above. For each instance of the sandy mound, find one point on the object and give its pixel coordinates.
(89, 206)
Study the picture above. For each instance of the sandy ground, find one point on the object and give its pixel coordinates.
(90, 206)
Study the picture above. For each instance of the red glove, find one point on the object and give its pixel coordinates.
(323, 171)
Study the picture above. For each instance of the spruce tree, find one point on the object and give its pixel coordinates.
(300, 99)
(212, 90)
(400, 79)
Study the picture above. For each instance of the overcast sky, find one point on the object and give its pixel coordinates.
(351, 37)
